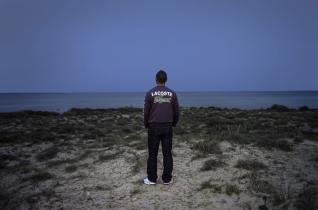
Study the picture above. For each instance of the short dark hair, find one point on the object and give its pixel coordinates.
(161, 77)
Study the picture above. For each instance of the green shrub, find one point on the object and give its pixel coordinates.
(106, 157)
(279, 108)
(250, 165)
(212, 164)
(231, 189)
(303, 108)
(47, 154)
(307, 199)
(214, 187)
(41, 176)
(70, 169)
(207, 147)
(271, 142)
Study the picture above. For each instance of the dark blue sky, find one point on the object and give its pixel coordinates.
(74, 45)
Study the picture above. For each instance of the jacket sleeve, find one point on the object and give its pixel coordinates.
(176, 111)
(147, 106)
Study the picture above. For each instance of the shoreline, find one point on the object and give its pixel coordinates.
(224, 99)
(274, 107)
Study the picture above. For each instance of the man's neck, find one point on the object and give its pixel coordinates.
(158, 84)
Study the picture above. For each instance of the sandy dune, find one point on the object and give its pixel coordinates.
(223, 159)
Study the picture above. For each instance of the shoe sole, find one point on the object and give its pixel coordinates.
(149, 183)
(167, 183)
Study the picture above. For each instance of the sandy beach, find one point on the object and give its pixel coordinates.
(223, 159)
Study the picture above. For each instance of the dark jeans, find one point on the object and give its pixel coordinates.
(156, 133)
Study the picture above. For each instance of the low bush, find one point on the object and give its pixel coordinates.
(231, 189)
(212, 164)
(47, 154)
(279, 108)
(250, 165)
(207, 147)
(271, 142)
(307, 199)
(39, 177)
(71, 168)
(303, 108)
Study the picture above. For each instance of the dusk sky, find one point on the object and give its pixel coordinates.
(211, 45)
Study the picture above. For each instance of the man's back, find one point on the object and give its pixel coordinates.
(161, 106)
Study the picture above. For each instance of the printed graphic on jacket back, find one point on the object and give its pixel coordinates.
(161, 96)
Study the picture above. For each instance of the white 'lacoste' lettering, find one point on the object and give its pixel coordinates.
(161, 93)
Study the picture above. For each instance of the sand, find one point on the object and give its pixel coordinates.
(96, 159)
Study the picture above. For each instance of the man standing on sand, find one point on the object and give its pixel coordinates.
(161, 113)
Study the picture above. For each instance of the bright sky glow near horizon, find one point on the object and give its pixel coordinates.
(117, 45)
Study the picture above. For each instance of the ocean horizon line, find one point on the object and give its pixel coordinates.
(180, 91)
(59, 101)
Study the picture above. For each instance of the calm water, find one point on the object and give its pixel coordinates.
(61, 102)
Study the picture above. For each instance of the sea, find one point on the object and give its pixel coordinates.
(61, 102)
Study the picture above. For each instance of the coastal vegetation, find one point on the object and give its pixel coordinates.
(96, 158)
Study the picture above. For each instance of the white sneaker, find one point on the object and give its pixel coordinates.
(171, 181)
(147, 181)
